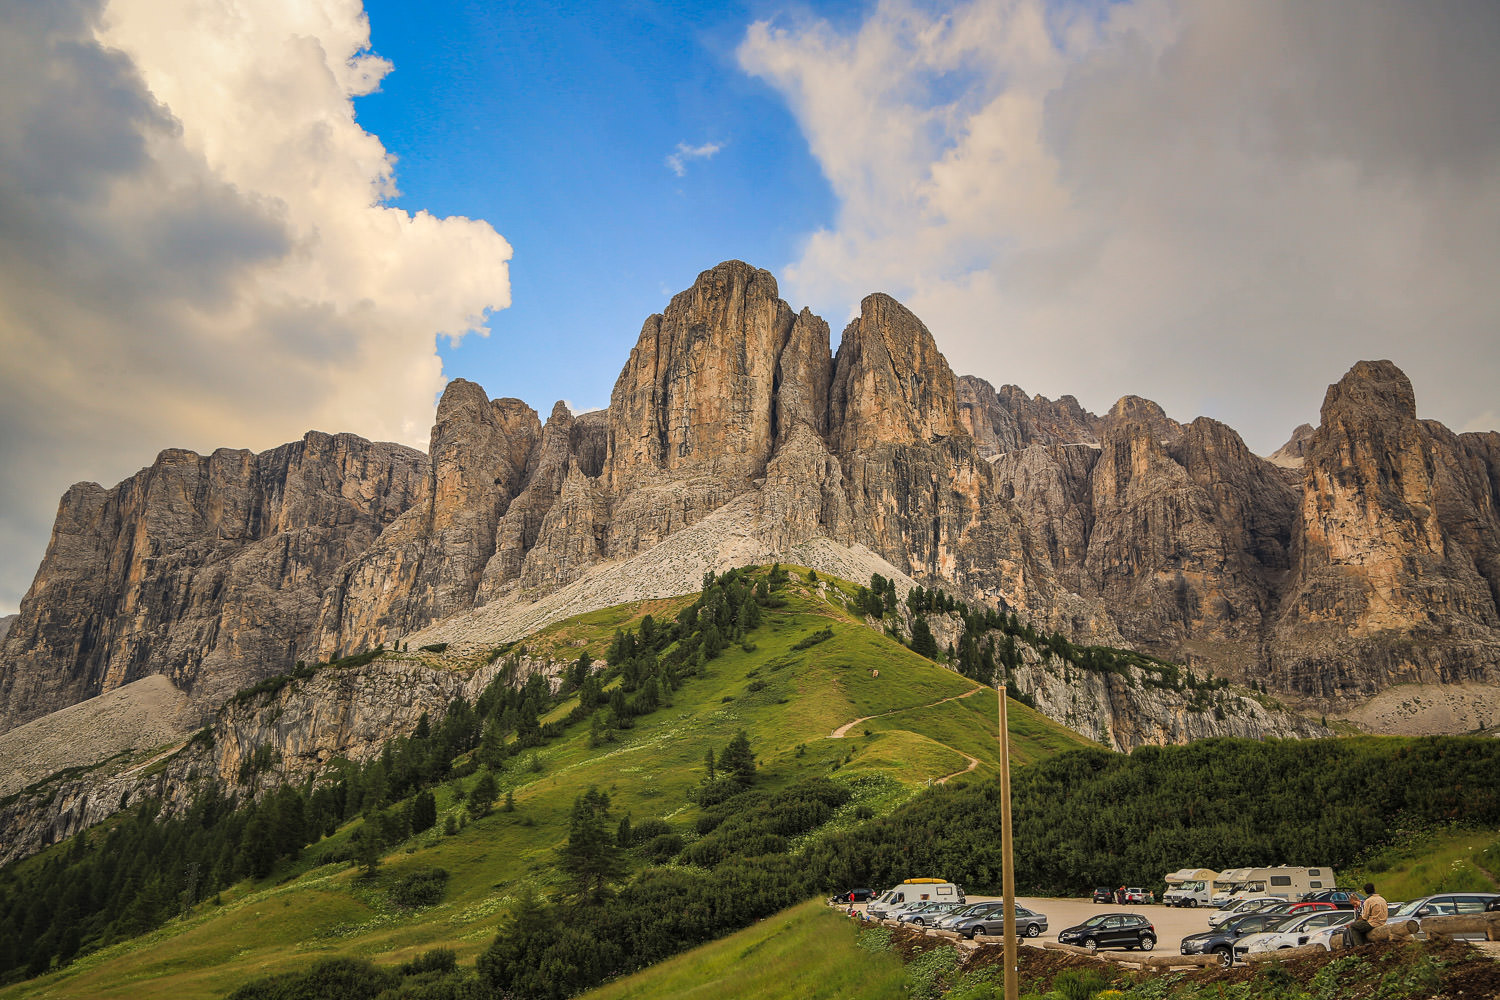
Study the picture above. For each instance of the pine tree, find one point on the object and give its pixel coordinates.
(591, 859)
(922, 641)
(737, 760)
(482, 796)
(423, 812)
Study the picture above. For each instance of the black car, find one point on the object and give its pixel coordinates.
(1111, 930)
(1102, 895)
(855, 896)
(1220, 941)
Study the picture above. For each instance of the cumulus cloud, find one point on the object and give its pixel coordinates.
(1220, 204)
(677, 160)
(196, 250)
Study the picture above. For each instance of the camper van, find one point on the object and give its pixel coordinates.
(933, 890)
(1253, 883)
(1190, 887)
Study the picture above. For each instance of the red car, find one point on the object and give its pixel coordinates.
(1311, 905)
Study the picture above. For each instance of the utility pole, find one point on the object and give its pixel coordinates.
(1007, 855)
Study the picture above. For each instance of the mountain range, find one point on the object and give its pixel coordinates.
(1362, 555)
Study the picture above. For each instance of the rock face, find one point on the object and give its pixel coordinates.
(1375, 562)
(1396, 550)
(207, 569)
(5, 624)
(345, 712)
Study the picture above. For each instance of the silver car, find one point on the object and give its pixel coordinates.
(1448, 904)
(989, 918)
(926, 915)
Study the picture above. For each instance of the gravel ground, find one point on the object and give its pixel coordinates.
(1172, 923)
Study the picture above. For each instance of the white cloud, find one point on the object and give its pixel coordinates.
(195, 248)
(1221, 204)
(677, 160)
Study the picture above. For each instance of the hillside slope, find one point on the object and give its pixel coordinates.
(789, 701)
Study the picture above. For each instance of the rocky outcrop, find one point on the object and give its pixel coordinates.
(1375, 562)
(430, 562)
(340, 712)
(5, 623)
(1007, 420)
(206, 569)
(1292, 454)
(1132, 708)
(1396, 550)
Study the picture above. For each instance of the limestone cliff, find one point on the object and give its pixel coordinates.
(1396, 550)
(207, 569)
(1375, 561)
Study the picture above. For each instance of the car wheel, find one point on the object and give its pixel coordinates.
(1091, 944)
(1147, 942)
(1226, 957)
(1032, 930)
(1192, 904)
(970, 933)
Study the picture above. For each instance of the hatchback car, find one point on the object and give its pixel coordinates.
(989, 918)
(1293, 932)
(1449, 904)
(926, 915)
(1103, 895)
(1239, 908)
(855, 896)
(1343, 899)
(1220, 941)
(1111, 930)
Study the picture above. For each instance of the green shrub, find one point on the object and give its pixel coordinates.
(423, 887)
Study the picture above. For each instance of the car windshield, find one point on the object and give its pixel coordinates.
(1403, 909)
(1095, 921)
(1284, 924)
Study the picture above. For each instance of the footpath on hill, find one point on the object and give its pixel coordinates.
(843, 730)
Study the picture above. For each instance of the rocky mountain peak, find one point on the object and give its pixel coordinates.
(891, 384)
(1291, 454)
(1135, 409)
(1371, 388)
(698, 390)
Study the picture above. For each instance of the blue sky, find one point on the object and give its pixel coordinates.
(555, 126)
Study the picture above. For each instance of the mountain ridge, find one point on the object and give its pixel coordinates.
(1131, 528)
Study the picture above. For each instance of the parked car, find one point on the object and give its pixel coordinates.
(1103, 895)
(1325, 937)
(989, 918)
(1291, 932)
(1138, 895)
(1240, 908)
(926, 915)
(853, 896)
(1450, 904)
(1313, 905)
(1344, 899)
(1111, 930)
(1220, 940)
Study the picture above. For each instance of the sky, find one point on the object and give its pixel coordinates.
(224, 224)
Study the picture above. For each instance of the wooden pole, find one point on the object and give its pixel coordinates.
(1007, 856)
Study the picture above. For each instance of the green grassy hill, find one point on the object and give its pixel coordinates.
(806, 951)
(914, 723)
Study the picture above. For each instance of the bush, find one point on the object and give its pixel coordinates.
(663, 848)
(423, 887)
(333, 979)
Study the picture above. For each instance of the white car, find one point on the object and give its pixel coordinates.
(1325, 937)
(1238, 908)
(1294, 932)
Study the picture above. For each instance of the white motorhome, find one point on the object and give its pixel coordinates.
(933, 890)
(1253, 883)
(1190, 887)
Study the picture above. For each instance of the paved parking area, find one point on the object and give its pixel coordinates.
(1172, 923)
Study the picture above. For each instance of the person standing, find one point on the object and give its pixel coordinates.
(1373, 913)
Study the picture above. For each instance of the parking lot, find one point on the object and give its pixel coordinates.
(1172, 923)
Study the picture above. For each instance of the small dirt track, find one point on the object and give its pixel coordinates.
(843, 730)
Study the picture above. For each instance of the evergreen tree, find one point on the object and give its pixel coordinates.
(737, 760)
(482, 795)
(423, 812)
(591, 859)
(922, 641)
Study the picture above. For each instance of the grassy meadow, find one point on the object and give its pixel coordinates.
(788, 701)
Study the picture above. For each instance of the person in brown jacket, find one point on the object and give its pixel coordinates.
(1373, 913)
